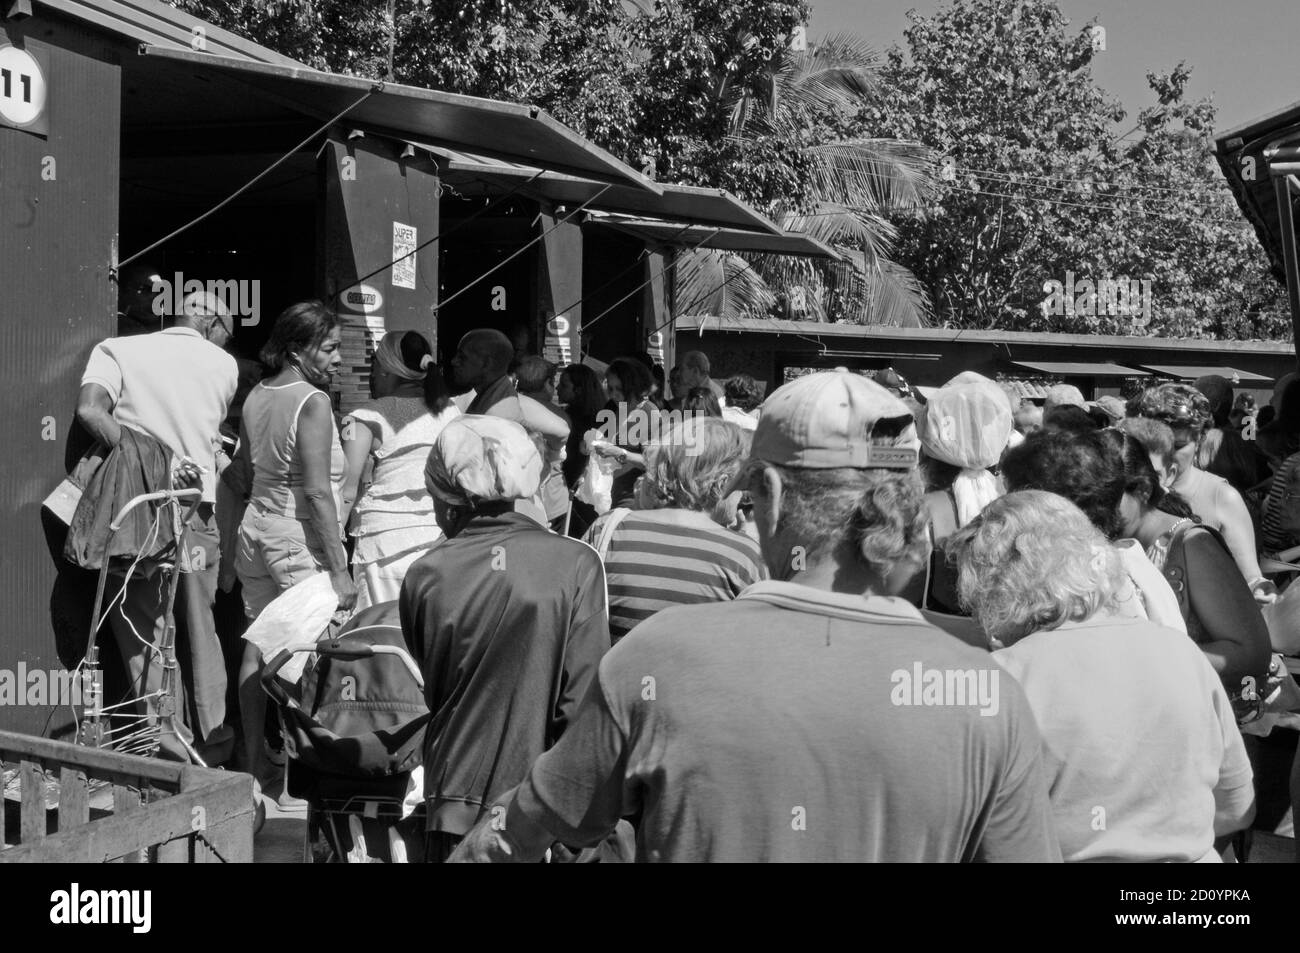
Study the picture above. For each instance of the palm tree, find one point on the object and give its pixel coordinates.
(856, 184)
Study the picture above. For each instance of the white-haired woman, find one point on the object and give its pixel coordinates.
(676, 549)
(1144, 759)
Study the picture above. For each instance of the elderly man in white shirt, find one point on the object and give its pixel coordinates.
(175, 385)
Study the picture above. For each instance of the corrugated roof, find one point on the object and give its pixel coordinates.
(1024, 390)
(147, 21)
(779, 326)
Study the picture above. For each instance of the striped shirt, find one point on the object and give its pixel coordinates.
(1273, 538)
(652, 564)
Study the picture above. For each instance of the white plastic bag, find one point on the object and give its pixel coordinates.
(596, 487)
(299, 614)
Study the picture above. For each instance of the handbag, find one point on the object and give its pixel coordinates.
(1249, 700)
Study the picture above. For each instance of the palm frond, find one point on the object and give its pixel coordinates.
(884, 174)
(721, 284)
(895, 297)
(834, 224)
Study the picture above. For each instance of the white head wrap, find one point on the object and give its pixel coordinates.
(968, 426)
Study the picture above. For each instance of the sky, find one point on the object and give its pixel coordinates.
(1245, 53)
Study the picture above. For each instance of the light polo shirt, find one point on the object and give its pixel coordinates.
(777, 727)
(173, 385)
(1141, 746)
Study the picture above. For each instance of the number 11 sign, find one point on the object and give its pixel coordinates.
(22, 91)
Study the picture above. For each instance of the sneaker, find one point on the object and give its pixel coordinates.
(259, 808)
(290, 804)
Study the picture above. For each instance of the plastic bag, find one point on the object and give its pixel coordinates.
(299, 614)
(596, 487)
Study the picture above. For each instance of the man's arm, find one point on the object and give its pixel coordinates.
(95, 412)
(574, 794)
(1019, 827)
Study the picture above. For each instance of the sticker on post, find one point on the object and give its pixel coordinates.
(404, 242)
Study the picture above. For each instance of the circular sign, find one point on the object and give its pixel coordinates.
(22, 87)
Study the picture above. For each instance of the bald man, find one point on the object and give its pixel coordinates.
(695, 373)
(482, 361)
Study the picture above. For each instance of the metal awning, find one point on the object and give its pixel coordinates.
(158, 24)
(503, 130)
(1080, 369)
(1191, 373)
(684, 203)
(725, 239)
(1261, 161)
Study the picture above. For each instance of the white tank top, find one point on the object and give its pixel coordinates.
(271, 418)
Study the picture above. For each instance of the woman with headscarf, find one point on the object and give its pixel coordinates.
(967, 425)
(392, 520)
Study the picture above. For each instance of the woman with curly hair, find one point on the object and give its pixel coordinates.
(1043, 582)
(1186, 412)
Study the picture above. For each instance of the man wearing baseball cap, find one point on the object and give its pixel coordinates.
(507, 620)
(793, 723)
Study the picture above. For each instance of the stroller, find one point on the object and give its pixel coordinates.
(353, 735)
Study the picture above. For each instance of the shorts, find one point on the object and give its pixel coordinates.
(275, 553)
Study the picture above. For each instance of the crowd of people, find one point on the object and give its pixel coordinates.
(838, 623)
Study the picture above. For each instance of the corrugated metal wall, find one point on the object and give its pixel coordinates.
(370, 192)
(58, 223)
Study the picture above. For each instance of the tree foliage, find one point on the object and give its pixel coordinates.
(1036, 184)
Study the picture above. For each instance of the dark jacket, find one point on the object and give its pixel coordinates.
(508, 623)
(138, 464)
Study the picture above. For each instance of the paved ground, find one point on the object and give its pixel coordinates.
(281, 839)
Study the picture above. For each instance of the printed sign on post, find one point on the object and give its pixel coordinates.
(558, 343)
(404, 242)
(23, 90)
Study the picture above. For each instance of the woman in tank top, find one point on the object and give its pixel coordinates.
(292, 465)
(393, 520)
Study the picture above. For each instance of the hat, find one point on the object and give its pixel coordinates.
(204, 304)
(1060, 394)
(833, 419)
(968, 425)
(478, 459)
(1112, 407)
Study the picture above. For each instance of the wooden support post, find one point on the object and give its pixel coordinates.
(31, 780)
(74, 799)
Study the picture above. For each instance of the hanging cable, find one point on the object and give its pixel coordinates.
(459, 225)
(658, 274)
(644, 252)
(501, 264)
(248, 185)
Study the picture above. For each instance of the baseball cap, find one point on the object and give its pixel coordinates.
(833, 419)
(1112, 407)
(479, 459)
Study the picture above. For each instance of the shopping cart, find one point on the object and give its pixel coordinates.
(354, 732)
(123, 726)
